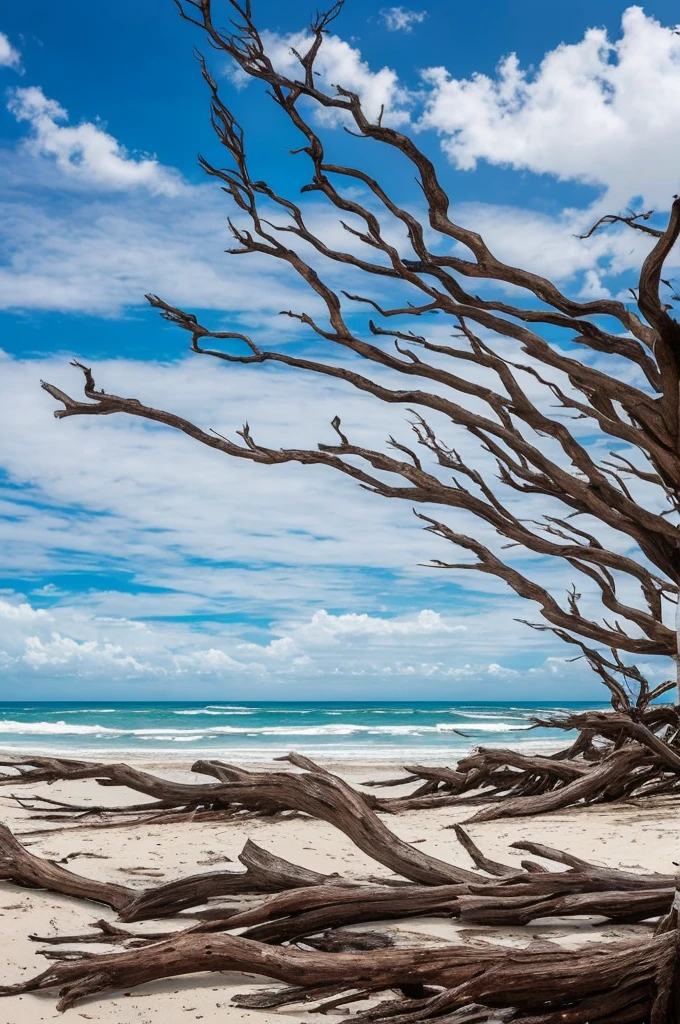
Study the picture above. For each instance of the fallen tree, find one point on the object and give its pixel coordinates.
(494, 893)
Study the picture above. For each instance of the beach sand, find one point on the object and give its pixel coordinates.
(641, 836)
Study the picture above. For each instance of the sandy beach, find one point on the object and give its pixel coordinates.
(638, 836)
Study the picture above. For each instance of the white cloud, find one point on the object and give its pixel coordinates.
(77, 251)
(212, 662)
(98, 256)
(9, 56)
(72, 642)
(86, 152)
(598, 111)
(550, 245)
(400, 19)
(21, 613)
(60, 651)
(122, 496)
(501, 671)
(324, 627)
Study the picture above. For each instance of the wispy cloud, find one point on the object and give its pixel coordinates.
(400, 19)
(317, 575)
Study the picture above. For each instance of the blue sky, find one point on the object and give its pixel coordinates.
(136, 565)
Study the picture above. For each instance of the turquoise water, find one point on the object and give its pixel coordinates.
(248, 731)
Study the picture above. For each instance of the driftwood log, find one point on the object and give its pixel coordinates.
(623, 983)
(306, 902)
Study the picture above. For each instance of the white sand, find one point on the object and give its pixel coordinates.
(644, 837)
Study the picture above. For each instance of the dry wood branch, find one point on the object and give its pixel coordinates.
(588, 787)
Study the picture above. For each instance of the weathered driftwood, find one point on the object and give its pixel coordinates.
(317, 793)
(23, 867)
(623, 982)
(309, 902)
(237, 792)
(265, 873)
(634, 762)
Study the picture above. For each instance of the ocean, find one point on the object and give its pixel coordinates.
(248, 731)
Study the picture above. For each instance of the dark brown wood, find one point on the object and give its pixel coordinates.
(557, 979)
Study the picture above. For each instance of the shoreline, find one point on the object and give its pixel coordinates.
(338, 733)
(347, 766)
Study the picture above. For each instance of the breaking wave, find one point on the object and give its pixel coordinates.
(64, 728)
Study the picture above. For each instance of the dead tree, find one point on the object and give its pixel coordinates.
(531, 378)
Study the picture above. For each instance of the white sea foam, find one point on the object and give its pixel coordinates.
(491, 726)
(63, 728)
(226, 707)
(60, 728)
(82, 711)
(205, 711)
(484, 715)
(373, 753)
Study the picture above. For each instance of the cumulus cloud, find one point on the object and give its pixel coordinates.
(86, 151)
(324, 627)
(400, 19)
(600, 111)
(9, 56)
(60, 651)
(212, 662)
(70, 642)
(21, 613)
